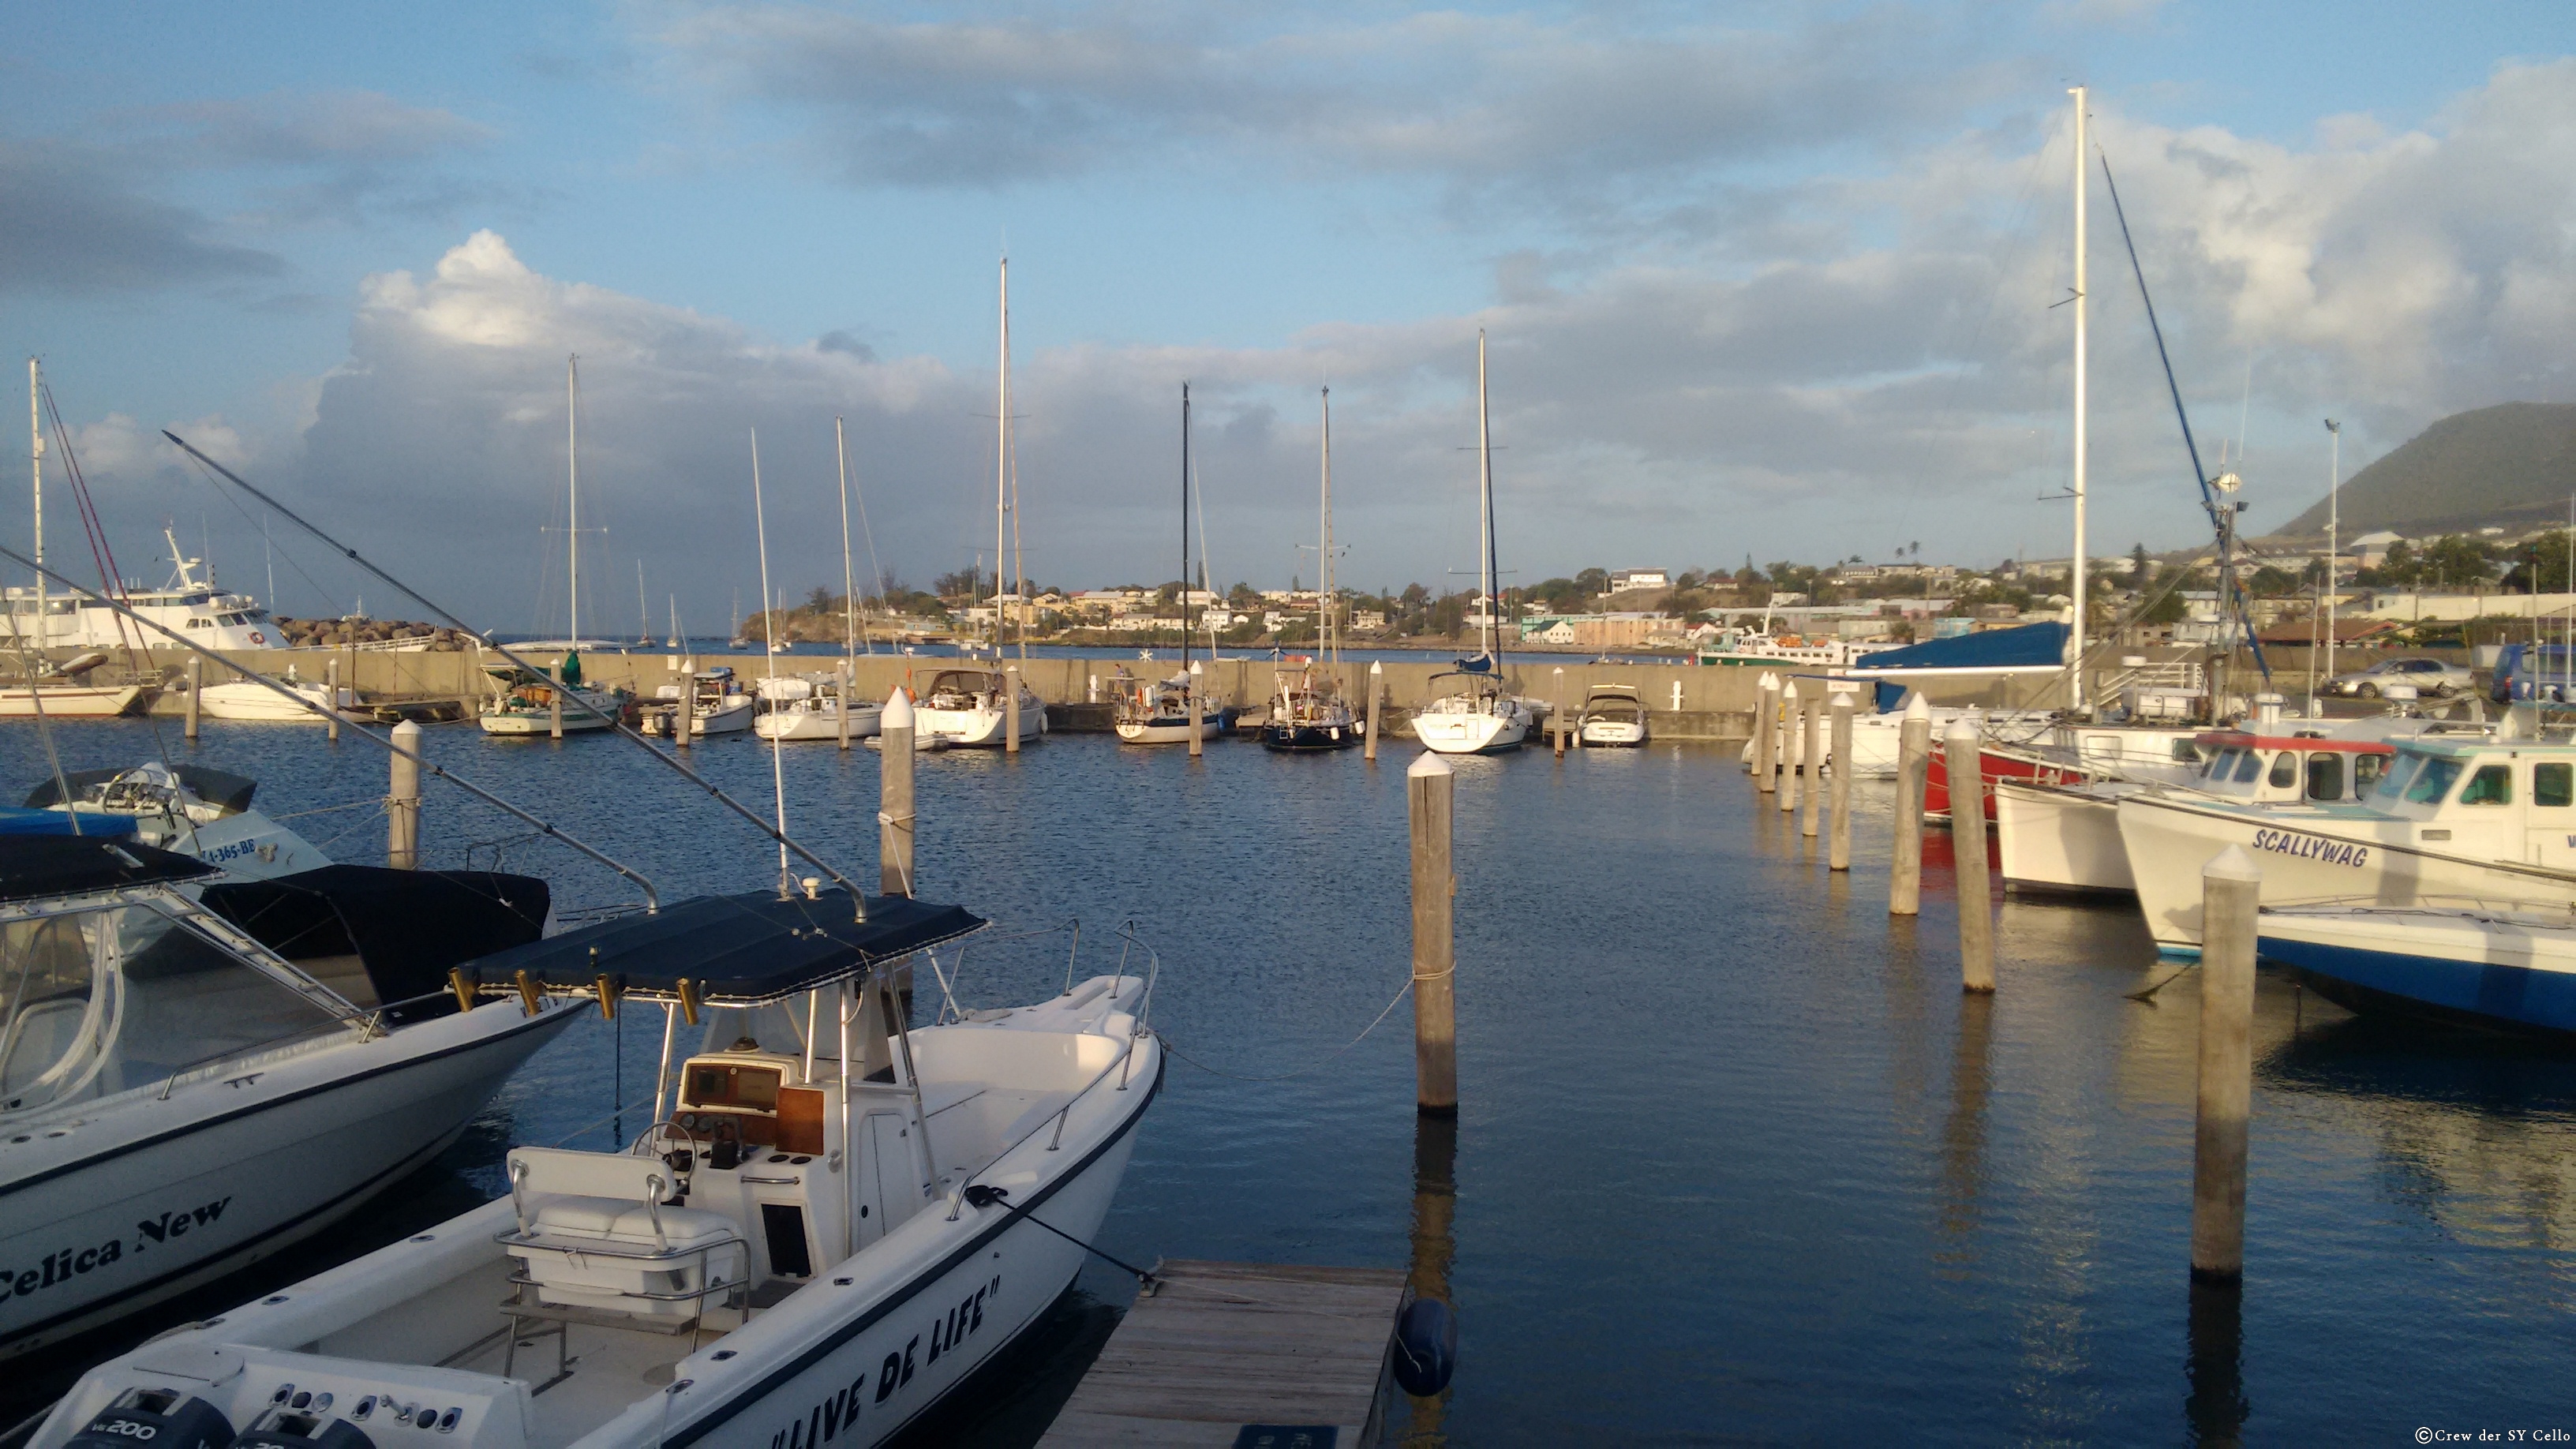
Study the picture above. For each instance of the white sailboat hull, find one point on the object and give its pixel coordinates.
(979, 728)
(1485, 731)
(243, 699)
(820, 723)
(71, 701)
(1166, 731)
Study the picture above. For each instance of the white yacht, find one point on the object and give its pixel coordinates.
(1478, 716)
(1613, 714)
(806, 708)
(713, 700)
(250, 699)
(966, 709)
(196, 1072)
(833, 1221)
(188, 604)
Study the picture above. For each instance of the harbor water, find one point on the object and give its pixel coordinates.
(1735, 1159)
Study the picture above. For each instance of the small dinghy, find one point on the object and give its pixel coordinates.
(2507, 969)
(832, 1222)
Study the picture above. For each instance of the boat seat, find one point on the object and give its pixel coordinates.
(593, 1232)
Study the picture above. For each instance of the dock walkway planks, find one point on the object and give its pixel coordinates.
(1225, 1347)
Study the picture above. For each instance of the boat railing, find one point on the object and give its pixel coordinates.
(269, 1049)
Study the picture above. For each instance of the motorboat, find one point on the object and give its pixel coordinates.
(1159, 712)
(267, 701)
(802, 708)
(967, 709)
(187, 808)
(197, 1071)
(523, 702)
(832, 1223)
(2493, 966)
(1614, 715)
(712, 699)
(2453, 818)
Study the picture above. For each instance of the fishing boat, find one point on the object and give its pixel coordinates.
(1477, 715)
(712, 700)
(197, 1071)
(833, 1221)
(522, 702)
(1171, 711)
(2491, 966)
(1613, 715)
(185, 808)
(967, 709)
(1307, 713)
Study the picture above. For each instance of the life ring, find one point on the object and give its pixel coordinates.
(257, 637)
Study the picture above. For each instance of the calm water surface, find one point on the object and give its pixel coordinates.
(1735, 1159)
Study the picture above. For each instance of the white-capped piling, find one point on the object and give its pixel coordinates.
(2231, 888)
(894, 796)
(402, 800)
(1913, 770)
(1430, 788)
(1838, 855)
(331, 697)
(1377, 697)
(1960, 748)
(1788, 791)
(1556, 712)
(1766, 733)
(196, 683)
(1196, 706)
(1011, 709)
(1811, 757)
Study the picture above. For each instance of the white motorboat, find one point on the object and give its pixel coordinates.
(810, 709)
(249, 699)
(1613, 715)
(2495, 967)
(713, 699)
(2454, 818)
(189, 809)
(837, 1222)
(196, 1072)
(966, 709)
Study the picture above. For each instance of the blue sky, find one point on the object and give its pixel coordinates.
(1766, 280)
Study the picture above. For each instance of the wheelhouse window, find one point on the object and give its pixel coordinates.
(2433, 781)
(2325, 775)
(2553, 785)
(2285, 770)
(2401, 770)
(2366, 770)
(2490, 785)
(2249, 766)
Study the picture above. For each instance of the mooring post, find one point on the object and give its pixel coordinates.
(2231, 888)
(1011, 709)
(1913, 770)
(1811, 755)
(402, 800)
(1191, 706)
(1377, 698)
(554, 705)
(1766, 741)
(894, 796)
(1838, 855)
(842, 702)
(1556, 711)
(331, 697)
(1431, 793)
(1960, 747)
(1788, 747)
(196, 682)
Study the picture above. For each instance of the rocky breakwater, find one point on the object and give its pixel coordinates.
(341, 633)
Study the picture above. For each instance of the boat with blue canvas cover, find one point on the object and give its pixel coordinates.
(2496, 967)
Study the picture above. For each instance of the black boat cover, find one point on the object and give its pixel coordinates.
(406, 927)
(737, 950)
(222, 789)
(60, 865)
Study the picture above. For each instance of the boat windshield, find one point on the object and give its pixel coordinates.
(2392, 785)
(2432, 782)
(97, 1002)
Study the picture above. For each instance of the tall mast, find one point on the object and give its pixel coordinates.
(849, 580)
(769, 664)
(1324, 634)
(572, 422)
(1484, 506)
(1185, 529)
(2076, 582)
(1002, 464)
(36, 472)
(2334, 533)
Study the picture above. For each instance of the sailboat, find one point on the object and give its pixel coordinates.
(1306, 711)
(967, 708)
(1476, 716)
(58, 691)
(809, 707)
(1169, 711)
(522, 703)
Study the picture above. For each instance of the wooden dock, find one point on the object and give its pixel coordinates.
(1255, 1354)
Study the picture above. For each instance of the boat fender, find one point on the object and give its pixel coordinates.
(1426, 1347)
(288, 1428)
(161, 1418)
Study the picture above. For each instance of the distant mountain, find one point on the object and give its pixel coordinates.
(2513, 463)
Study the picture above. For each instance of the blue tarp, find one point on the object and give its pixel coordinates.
(17, 821)
(2030, 646)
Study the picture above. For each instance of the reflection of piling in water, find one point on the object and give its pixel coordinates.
(1963, 1135)
(2215, 1405)
(1435, 1245)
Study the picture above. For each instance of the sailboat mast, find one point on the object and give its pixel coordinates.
(572, 422)
(1485, 562)
(769, 668)
(1185, 530)
(2076, 580)
(36, 472)
(1324, 632)
(849, 580)
(1002, 464)
(643, 610)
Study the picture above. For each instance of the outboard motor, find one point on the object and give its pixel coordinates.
(160, 1418)
(292, 1428)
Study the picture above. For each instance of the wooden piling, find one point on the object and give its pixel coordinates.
(402, 800)
(1811, 758)
(1838, 855)
(196, 683)
(843, 707)
(894, 796)
(1960, 748)
(1011, 709)
(1913, 773)
(1788, 790)
(2231, 888)
(554, 705)
(331, 697)
(1766, 734)
(1431, 798)
(1556, 712)
(1377, 697)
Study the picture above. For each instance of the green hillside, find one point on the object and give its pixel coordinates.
(2513, 463)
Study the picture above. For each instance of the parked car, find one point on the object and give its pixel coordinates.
(2431, 678)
